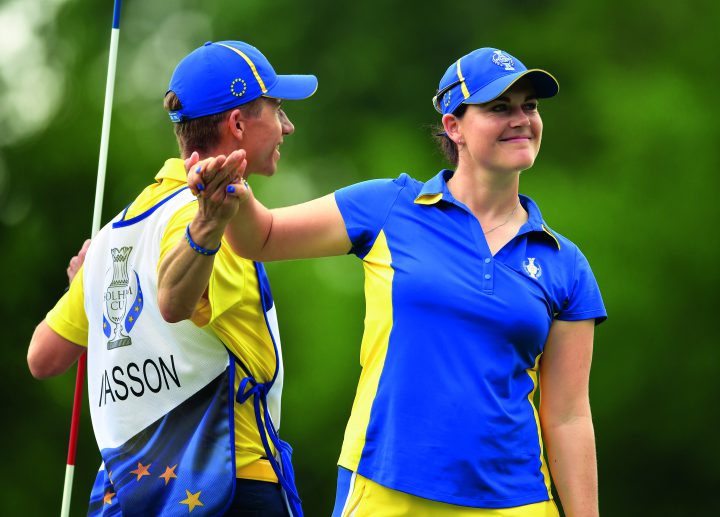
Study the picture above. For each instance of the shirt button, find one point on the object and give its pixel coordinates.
(487, 277)
(487, 261)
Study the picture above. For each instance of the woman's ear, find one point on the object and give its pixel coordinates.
(452, 128)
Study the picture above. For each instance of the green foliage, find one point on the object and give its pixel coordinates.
(628, 164)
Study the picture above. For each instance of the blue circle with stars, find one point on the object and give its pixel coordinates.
(234, 86)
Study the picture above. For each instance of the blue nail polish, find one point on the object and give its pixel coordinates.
(200, 187)
(198, 169)
(231, 188)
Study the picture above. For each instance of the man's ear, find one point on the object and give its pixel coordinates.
(452, 128)
(236, 124)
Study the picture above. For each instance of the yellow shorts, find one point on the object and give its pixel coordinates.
(365, 498)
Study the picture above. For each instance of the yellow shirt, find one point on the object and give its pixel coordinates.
(232, 310)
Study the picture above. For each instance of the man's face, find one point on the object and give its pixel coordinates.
(263, 136)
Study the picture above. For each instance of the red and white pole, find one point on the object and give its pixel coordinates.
(72, 446)
(97, 215)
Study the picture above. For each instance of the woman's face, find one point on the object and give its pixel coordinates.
(502, 135)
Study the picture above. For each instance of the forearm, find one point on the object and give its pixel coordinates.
(573, 465)
(311, 229)
(184, 273)
(249, 230)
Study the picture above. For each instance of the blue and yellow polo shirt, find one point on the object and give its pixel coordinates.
(453, 336)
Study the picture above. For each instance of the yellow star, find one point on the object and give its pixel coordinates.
(137, 309)
(192, 500)
(141, 471)
(108, 497)
(169, 473)
(130, 318)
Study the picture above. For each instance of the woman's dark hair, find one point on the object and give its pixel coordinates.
(202, 134)
(447, 146)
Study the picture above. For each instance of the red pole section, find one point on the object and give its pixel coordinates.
(77, 406)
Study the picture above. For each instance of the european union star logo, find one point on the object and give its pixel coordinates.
(134, 313)
(106, 327)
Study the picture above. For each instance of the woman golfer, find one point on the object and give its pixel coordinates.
(473, 303)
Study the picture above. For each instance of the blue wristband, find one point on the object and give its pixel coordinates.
(197, 248)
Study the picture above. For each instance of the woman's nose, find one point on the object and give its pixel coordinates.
(519, 117)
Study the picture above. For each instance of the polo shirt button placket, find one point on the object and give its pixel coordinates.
(487, 274)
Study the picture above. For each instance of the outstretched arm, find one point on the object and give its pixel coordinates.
(312, 229)
(565, 415)
(307, 230)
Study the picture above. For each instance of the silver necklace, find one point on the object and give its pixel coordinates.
(505, 221)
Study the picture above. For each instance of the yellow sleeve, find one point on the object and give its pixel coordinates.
(68, 317)
(226, 282)
(175, 229)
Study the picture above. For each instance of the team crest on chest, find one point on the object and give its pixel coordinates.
(531, 268)
(123, 299)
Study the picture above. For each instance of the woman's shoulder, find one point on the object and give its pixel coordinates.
(561, 243)
(403, 180)
(383, 186)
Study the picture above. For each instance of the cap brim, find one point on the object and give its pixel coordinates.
(544, 84)
(293, 87)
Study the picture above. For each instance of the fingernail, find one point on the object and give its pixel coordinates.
(231, 188)
(198, 169)
(200, 187)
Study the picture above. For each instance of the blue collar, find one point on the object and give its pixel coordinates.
(436, 189)
(535, 222)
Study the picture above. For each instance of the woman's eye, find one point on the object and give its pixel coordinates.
(530, 106)
(499, 108)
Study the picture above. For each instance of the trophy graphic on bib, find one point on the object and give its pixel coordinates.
(116, 298)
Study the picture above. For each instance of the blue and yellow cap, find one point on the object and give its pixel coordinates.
(483, 75)
(226, 74)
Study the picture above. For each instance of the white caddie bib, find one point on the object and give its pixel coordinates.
(161, 395)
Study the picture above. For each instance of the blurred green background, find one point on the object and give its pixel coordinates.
(628, 169)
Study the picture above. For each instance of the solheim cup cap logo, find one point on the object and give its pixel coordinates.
(484, 75)
(226, 74)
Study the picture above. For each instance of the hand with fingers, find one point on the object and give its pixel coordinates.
(219, 184)
(77, 261)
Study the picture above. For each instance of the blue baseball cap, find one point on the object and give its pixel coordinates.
(226, 74)
(485, 74)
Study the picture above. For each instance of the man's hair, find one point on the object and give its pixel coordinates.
(447, 146)
(203, 134)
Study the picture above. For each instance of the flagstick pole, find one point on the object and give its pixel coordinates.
(74, 424)
(97, 215)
